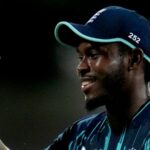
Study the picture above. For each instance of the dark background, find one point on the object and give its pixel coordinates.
(39, 92)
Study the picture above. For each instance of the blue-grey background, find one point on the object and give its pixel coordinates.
(39, 91)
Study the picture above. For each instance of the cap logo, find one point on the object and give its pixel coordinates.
(83, 148)
(134, 37)
(96, 15)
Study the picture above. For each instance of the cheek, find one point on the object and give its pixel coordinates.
(105, 67)
(97, 64)
(113, 65)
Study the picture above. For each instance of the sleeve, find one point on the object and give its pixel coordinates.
(70, 134)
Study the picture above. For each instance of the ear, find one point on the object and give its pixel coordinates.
(136, 58)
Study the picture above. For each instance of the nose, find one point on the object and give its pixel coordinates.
(83, 67)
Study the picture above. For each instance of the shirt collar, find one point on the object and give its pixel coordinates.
(143, 114)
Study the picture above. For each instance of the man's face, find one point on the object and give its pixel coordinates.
(101, 70)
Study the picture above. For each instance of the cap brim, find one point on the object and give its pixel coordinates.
(72, 34)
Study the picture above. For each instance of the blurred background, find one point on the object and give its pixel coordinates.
(39, 91)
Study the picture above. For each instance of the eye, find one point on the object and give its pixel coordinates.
(93, 53)
(79, 57)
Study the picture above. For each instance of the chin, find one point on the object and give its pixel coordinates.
(94, 102)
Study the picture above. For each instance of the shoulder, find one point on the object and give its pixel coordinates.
(75, 130)
(88, 122)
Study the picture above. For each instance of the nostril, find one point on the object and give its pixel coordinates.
(82, 70)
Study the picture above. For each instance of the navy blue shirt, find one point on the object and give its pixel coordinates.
(94, 133)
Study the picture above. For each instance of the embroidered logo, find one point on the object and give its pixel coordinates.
(132, 148)
(83, 148)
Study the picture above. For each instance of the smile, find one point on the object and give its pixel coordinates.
(87, 83)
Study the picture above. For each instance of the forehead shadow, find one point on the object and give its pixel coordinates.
(98, 45)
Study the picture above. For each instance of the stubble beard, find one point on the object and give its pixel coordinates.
(114, 87)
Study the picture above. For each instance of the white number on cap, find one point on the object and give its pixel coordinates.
(134, 37)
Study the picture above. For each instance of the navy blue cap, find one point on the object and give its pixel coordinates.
(108, 25)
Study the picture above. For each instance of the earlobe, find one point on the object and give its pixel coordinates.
(136, 58)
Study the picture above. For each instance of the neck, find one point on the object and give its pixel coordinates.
(122, 109)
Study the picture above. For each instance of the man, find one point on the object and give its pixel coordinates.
(114, 69)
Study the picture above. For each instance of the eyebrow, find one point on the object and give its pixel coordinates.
(88, 47)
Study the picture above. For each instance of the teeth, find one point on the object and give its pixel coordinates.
(85, 83)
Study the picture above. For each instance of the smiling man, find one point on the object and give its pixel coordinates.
(114, 69)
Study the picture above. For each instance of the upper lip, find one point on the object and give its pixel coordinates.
(88, 78)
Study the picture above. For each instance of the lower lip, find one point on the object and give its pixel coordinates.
(87, 87)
